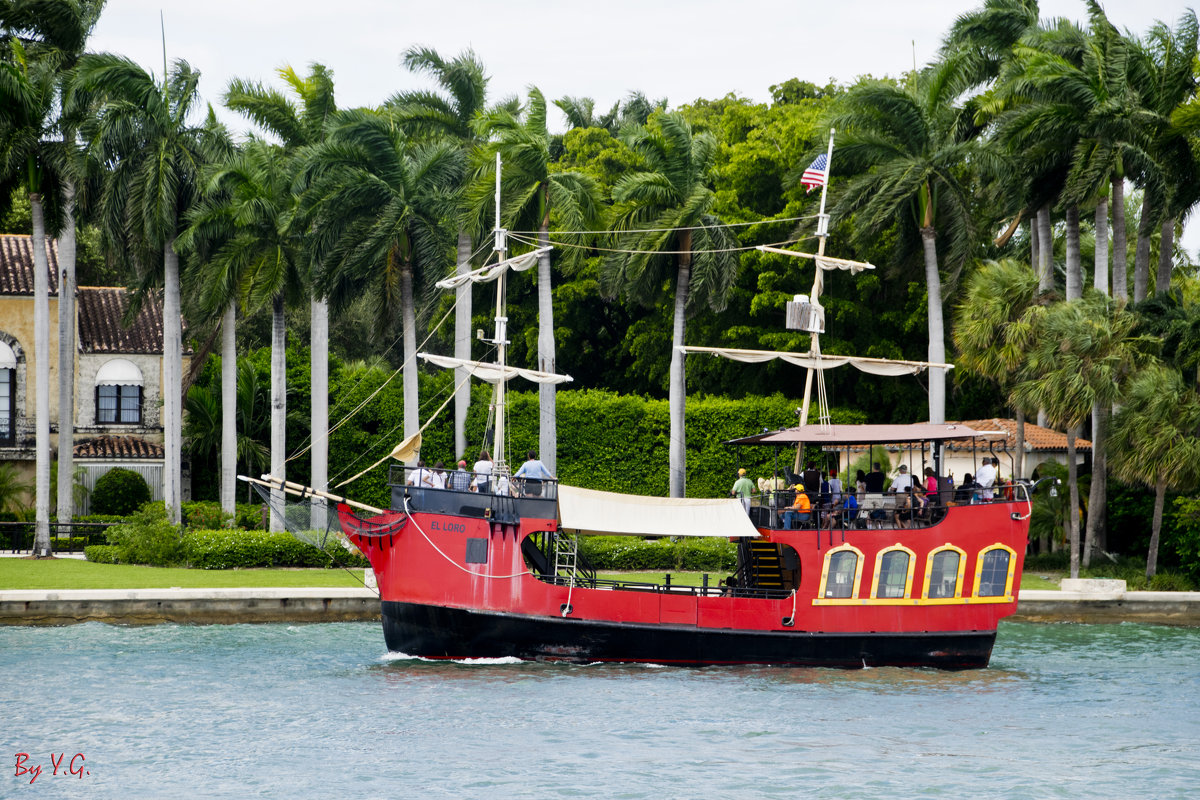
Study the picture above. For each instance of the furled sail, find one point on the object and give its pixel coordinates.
(874, 366)
(494, 373)
(493, 271)
(826, 263)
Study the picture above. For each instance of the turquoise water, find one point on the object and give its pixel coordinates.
(321, 711)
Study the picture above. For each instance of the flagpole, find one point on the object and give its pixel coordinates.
(822, 233)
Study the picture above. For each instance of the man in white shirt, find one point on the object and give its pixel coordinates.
(985, 476)
(902, 482)
(482, 471)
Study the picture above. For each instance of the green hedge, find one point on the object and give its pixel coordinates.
(103, 553)
(632, 553)
(236, 549)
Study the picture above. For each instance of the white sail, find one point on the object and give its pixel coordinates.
(825, 262)
(874, 366)
(493, 272)
(494, 373)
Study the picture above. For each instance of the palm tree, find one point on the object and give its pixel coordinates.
(55, 34)
(532, 192)
(667, 210)
(907, 148)
(994, 326)
(297, 125)
(253, 253)
(1082, 355)
(450, 115)
(378, 207)
(155, 156)
(1154, 440)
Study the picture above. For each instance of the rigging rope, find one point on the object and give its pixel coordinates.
(664, 230)
(531, 242)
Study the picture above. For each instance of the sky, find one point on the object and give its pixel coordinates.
(672, 49)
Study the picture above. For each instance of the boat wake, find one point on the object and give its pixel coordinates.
(488, 662)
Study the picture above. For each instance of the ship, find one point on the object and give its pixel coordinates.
(500, 570)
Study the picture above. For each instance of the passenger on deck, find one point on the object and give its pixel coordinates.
(534, 472)
(986, 478)
(743, 489)
(847, 510)
(439, 476)
(835, 489)
(801, 510)
(482, 471)
(902, 482)
(459, 480)
(965, 492)
(860, 485)
(874, 480)
(420, 477)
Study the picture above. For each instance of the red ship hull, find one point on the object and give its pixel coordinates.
(463, 585)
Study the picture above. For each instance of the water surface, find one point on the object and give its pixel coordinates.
(321, 711)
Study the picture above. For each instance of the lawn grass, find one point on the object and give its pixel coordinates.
(71, 573)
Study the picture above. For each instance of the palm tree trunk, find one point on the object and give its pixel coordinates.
(319, 420)
(66, 358)
(1073, 504)
(677, 391)
(172, 385)
(408, 326)
(1100, 278)
(1045, 266)
(1035, 257)
(1120, 260)
(462, 346)
(1141, 257)
(547, 392)
(1166, 257)
(1074, 263)
(1019, 463)
(1098, 493)
(229, 409)
(937, 331)
(41, 349)
(278, 407)
(1160, 495)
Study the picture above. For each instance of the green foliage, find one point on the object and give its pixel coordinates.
(120, 491)
(103, 553)
(630, 553)
(148, 537)
(205, 514)
(1184, 534)
(13, 492)
(235, 549)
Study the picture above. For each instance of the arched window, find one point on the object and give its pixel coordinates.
(843, 571)
(994, 572)
(8, 394)
(119, 393)
(894, 572)
(944, 573)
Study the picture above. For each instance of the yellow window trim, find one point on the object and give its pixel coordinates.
(912, 567)
(911, 601)
(1012, 567)
(858, 568)
(958, 580)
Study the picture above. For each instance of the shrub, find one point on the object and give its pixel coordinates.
(630, 553)
(102, 554)
(239, 549)
(1171, 582)
(250, 516)
(120, 491)
(1183, 531)
(205, 515)
(148, 537)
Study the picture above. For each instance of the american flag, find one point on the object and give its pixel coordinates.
(817, 173)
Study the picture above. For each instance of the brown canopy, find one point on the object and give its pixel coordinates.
(861, 434)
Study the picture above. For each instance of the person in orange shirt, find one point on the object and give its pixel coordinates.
(801, 509)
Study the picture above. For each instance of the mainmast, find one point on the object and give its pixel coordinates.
(501, 331)
(814, 349)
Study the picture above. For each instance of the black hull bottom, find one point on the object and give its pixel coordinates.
(450, 633)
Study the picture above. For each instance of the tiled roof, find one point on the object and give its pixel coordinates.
(1037, 438)
(101, 313)
(16, 264)
(114, 447)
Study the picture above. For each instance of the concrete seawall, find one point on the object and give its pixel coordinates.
(229, 606)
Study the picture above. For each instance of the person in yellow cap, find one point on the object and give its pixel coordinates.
(743, 488)
(800, 511)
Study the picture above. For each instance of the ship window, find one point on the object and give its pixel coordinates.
(993, 574)
(477, 551)
(893, 574)
(943, 573)
(840, 580)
